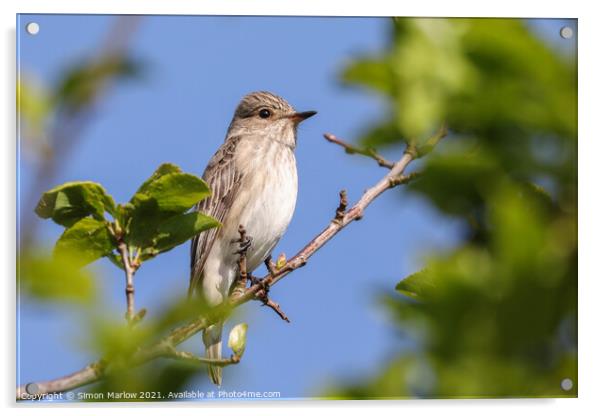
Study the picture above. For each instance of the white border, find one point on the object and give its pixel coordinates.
(590, 208)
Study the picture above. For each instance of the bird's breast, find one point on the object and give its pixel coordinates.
(271, 186)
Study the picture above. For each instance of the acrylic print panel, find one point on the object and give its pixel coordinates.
(460, 280)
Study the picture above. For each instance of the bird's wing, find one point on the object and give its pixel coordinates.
(224, 181)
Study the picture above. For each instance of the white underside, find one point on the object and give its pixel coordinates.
(265, 209)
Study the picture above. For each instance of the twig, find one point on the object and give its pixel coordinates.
(403, 179)
(195, 359)
(433, 141)
(270, 265)
(129, 280)
(274, 306)
(241, 285)
(340, 212)
(356, 150)
(164, 347)
(96, 371)
(354, 213)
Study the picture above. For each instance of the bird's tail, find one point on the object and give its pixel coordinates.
(212, 338)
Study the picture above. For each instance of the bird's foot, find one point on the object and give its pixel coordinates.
(244, 246)
(244, 242)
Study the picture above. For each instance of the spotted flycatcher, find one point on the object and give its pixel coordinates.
(253, 179)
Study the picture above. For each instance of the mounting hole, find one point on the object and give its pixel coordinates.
(566, 32)
(32, 388)
(566, 384)
(32, 28)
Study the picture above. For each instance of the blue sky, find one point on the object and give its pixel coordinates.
(197, 69)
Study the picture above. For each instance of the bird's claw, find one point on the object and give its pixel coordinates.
(243, 245)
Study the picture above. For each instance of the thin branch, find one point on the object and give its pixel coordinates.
(349, 148)
(195, 359)
(241, 285)
(403, 179)
(270, 265)
(86, 375)
(339, 222)
(274, 306)
(166, 346)
(433, 141)
(340, 212)
(129, 280)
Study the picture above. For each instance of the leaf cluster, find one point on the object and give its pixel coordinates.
(153, 221)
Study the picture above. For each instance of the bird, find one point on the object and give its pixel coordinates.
(253, 183)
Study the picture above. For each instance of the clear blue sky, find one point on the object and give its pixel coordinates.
(197, 70)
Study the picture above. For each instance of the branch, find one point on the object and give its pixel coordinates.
(340, 212)
(274, 306)
(342, 218)
(129, 280)
(96, 371)
(166, 346)
(432, 142)
(356, 150)
(195, 359)
(243, 276)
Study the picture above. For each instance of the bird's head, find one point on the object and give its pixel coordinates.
(267, 114)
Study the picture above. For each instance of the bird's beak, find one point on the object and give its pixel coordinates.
(299, 117)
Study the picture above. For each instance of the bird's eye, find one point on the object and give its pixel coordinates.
(265, 113)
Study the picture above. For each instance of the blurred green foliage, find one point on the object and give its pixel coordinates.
(34, 104)
(82, 83)
(160, 378)
(50, 278)
(497, 315)
(155, 220)
(115, 341)
(46, 113)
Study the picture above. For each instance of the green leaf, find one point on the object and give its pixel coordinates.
(181, 228)
(68, 203)
(116, 260)
(159, 202)
(86, 241)
(142, 220)
(416, 285)
(174, 192)
(164, 169)
(54, 278)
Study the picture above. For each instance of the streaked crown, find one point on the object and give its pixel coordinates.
(253, 102)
